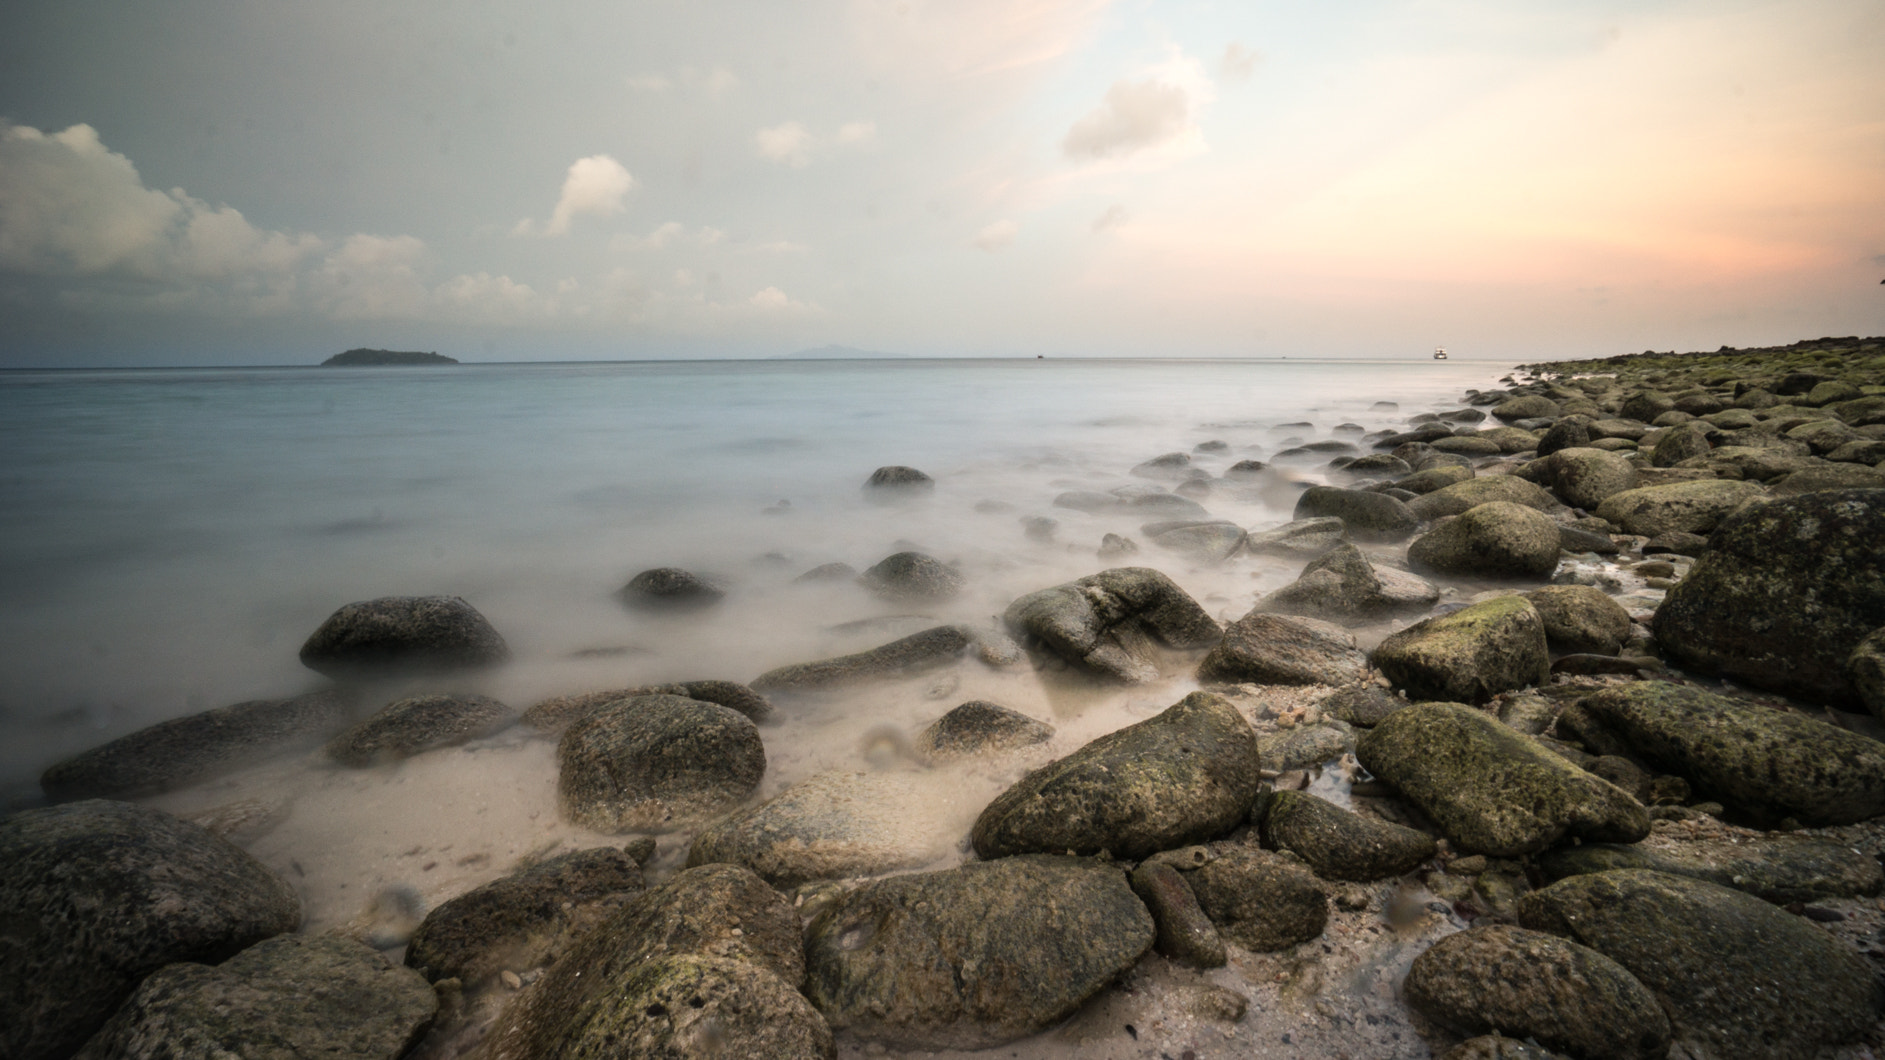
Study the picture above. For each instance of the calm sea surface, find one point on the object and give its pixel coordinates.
(168, 538)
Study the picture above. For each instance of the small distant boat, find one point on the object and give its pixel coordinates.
(1439, 353)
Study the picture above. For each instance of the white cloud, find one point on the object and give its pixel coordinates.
(1237, 62)
(788, 144)
(1157, 109)
(666, 235)
(996, 236)
(653, 84)
(857, 132)
(719, 81)
(1112, 217)
(594, 186)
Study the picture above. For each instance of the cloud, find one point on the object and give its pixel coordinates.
(666, 235)
(996, 236)
(1157, 109)
(719, 81)
(788, 144)
(1237, 62)
(653, 84)
(595, 185)
(1112, 217)
(857, 132)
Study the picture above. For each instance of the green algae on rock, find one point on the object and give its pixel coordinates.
(1469, 655)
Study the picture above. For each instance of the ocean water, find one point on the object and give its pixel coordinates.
(168, 538)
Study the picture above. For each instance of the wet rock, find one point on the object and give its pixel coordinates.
(1469, 655)
(1112, 623)
(1467, 445)
(1261, 900)
(97, 895)
(175, 753)
(1373, 516)
(913, 654)
(409, 726)
(403, 633)
(669, 588)
(1776, 868)
(829, 826)
(523, 920)
(1113, 546)
(1185, 933)
(1582, 477)
(1526, 407)
(1429, 479)
(1184, 775)
(1571, 432)
(1581, 618)
(710, 961)
(1770, 764)
(897, 480)
(1303, 747)
(1273, 650)
(556, 714)
(1646, 405)
(979, 727)
(1211, 542)
(1783, 595)
(1564, 996)
(1165, 465)
(1362, 704)
(1675, 542)
(1339, 844)
(1485, 489)
(1828, 477)
(1498, 1047)
(1679, 444)
(655, 763)
(1865, 668)
(1490, 789)
(828, 572)
(973, 956)
(1494, 540)
(1342, 584)
(912, 576)
(1577, 539)
(1378, 465)
(1737, 976)
(1693, 507)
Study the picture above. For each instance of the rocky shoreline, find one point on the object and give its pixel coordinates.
(1566, 741)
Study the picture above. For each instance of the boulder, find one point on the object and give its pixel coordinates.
(1429, 479)
(1525, 407)
(895, 479)
(1362, 705)
(524, 920)
(1678, 444)
(1865, 668)
(1571, 432)
(1485, 489)
(979, 727)
(99, 895)
(1210, 542)
(1828, 477)
(181, 751)
(1562, 995)
(1769, 764)
(1737, 976)
(1693, 507)
(1259, 899)
(1581, 618)
(1373, 516)
(1776, 868)
(1468, 655)
(403, 633)
(1113, 622)
(669, 589)
(1783, 595)
(709, 962)
(828, 826)
(406, 727)
(1497, 539)
(1303, 537)
(1273, 650)
(1303, 747)
(1646, 405)
(1342, 584)
(1490, 789)
(556, 714)
(1184, 775)
(974, 956)
(1185, 933)
(1340, 844)
(912, 576)
(656, 763)
(909, 655)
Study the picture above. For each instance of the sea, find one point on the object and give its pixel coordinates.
(170, 537)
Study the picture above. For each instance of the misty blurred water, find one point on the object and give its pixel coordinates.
(168, 538)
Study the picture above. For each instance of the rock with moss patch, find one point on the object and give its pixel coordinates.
(1273, 650)
(1261, 900)
(1485, 489)
(978, 727)
(1340, 844)
(558, 712)
(828, 826)
(1113, 623)
(1185, 933)
(409, 726)
(1373, 516)
(394, 634)
(1581, 618)
(1497, 539)
(1865, 668)
(656, 763)
(1695, 507)
(1583, 477)
(1777, 868)
(914, 654)
(1468, 655)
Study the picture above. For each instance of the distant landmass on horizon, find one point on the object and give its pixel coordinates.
(379, 357)
(835, 353)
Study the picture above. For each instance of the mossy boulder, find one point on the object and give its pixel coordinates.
(1865, 668)
(559, 712)
(1261, 900)
(1274, 650)
(1340, 844)
(1342, 584)
(1187, 774)
(1490, 789)
(1111, 623)
(1526, 407)
(1695, 507)
(1497, 539)
(1776, 868)
(1680, 443)
(656, 763)
(1464, 496)
(1368, 515)
(1469, 655)
(371, 638)
(1583, 477)
(1581, 618)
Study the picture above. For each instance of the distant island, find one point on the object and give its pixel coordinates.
(375, 357)
(835, 353)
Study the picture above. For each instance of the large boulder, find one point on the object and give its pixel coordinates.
(1770, 764)
(289, 997)
(1111, 623)
(403, 633)
(1776, 868)
(1375, 516)
(1184, 775)
(408, 726)
(1301, 537)
(1497, 539)
(829, 826)
(709, 962)
(1261, 900)
(1783, 595)
(1273, 650)
(1581, 618)
(1486, 489)
(656, 763)
(914, 654)
(973, 956)
(97, 895)
(1469, 655)
(1695, 507)
(559, 712)
(1737, 976)
(1565, 996)
(181, 751)
(669, 589)
(1340, 844)
(1491, 789)
(912, 576)
(1583, 478)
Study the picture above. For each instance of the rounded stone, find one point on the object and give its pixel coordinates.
(1485, 489)
(669, 588)
(1339, 844)
(1273, 650)
(1493, 540)
(1469, 655)
(656, 763)
(1581, 618)
(408, 726)
(978, 727)
(895, 478)
(1261, 900)
(395, 633)
(912, 575)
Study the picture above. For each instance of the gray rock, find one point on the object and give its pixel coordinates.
(1770, 764)
(1185, 933)
(1184, 775)
(1497, 539)
(1865, 669)
(556, 714)
(1571, 432)
(1427, 480)
(100, 894)
(1467, 445)
(1828, 477)
(1341, 584)
(1694, 507)
(913, 654)
(1584, 478)
(1339, 844)
(1646, 405)
(974, 956)
(289, 997)
(1273, 650)
(1737, 976)
(1776, 868)
(172, 754)
(1581, 618)
(978, 727)
(1211, 542)
(1368, 515)
(656, 763)
(1485, 489)
(403, 633)
(828, 572)
(912, 576)
(1381, 465)
(896, 479)
(524, 920)
(1113, 622)
(1303, 747)
(669, 588)
(1469, 655)
(1679, 444)
(1363, 705)
(1567, 997)
(409, 726)
(1490, 789)
(829, 826)
(1525, 407)
(1165, 465)
(1261, 900)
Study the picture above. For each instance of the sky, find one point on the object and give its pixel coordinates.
(271, 181)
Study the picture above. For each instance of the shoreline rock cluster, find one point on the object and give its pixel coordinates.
(1567, 826)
